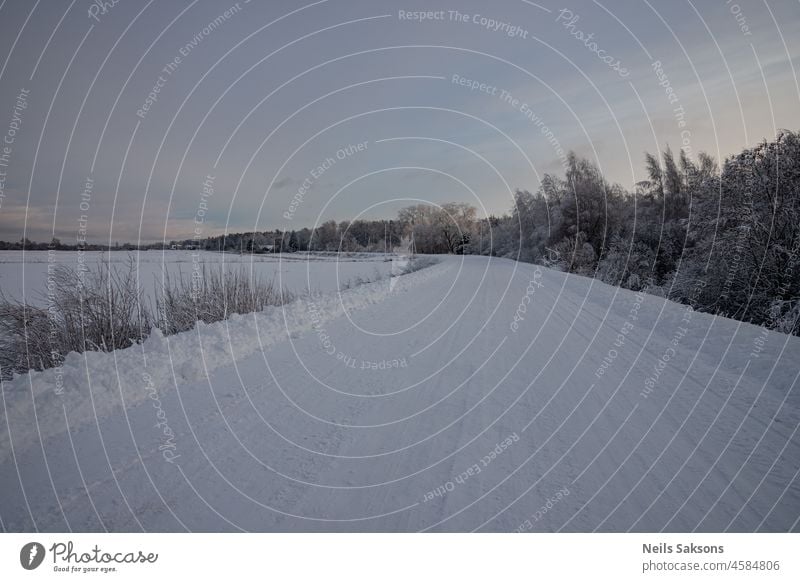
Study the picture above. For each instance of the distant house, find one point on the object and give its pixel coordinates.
(265, 248)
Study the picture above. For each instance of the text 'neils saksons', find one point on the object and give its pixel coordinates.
(664, 548)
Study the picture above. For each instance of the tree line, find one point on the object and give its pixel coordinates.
(723, 239)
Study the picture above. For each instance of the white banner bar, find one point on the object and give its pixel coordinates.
(401, 557)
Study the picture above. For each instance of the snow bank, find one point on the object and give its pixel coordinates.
(91, 384)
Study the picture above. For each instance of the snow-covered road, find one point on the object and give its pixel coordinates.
(477, 394)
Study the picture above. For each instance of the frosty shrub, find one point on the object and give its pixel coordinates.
(785, 316)
(99, 309)
(576, 255)
(213, 294)
(399, 268)
(626, 264)
(417, 264)
(102, 309)
(24, 338)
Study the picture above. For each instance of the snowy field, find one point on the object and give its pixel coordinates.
(24, 275)
(476, 394)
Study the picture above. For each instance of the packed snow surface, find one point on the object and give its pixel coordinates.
(476, 394)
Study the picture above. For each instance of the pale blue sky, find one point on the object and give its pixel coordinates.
(260, 105)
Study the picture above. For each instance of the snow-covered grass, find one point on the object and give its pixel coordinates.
(54, 303)
(213, 294)
(97, 309)
(102, 309)
(102, 305)
(23, 276)
(94, 382)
